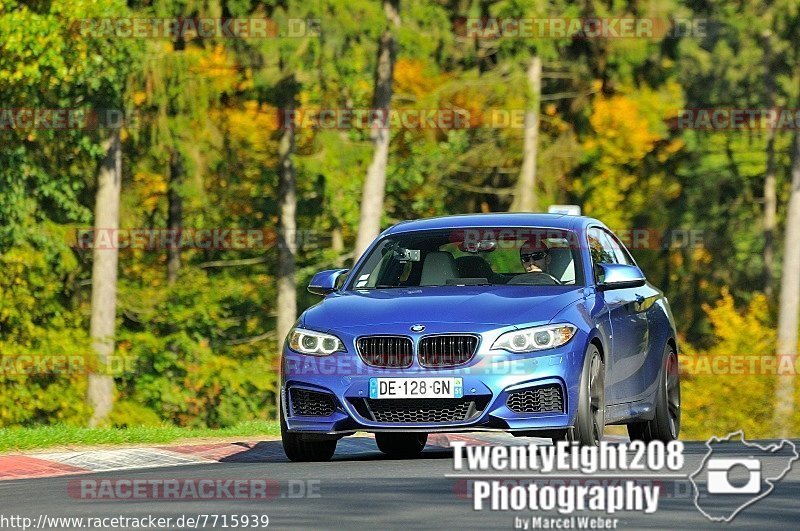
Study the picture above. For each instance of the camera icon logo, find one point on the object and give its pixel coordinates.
(735, 474)
(719, 481)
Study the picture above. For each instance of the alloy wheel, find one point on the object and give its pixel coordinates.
(597, 396)
(673, 393)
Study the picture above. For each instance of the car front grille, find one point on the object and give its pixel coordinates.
(422, 410)
(544, 399)
(311, 403)
(386, 351)
(446, 350)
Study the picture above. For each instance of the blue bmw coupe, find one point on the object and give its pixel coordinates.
(533, 324)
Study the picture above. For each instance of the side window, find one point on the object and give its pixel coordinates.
(341, 280)
(622, 255)
(601, 250)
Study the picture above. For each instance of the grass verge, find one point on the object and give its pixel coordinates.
(12, 439)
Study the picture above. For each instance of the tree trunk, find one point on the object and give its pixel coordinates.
(770, 192)
(337, 243)
(104, 281)
(175, 200)
(770, 216)
(525, 199)
(789, 301)
(369, 225)
(287, 236)
(174, 216)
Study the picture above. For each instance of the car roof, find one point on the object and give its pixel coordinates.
(504, 220)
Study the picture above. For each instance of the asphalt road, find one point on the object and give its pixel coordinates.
(362, 489)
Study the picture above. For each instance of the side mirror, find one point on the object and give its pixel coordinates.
(326, 281)
(619, 276)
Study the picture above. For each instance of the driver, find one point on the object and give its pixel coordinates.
(535, 257)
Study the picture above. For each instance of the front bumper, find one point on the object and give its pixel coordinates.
(488, 379)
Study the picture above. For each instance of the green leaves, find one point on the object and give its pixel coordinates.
(203, 352)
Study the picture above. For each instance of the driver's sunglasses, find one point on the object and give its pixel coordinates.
(536, 255)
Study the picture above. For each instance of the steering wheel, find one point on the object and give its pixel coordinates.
(554, 279)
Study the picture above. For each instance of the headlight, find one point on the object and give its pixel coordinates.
(314, 343)
(536, 338)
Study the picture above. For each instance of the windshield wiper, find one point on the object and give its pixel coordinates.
(475, 281)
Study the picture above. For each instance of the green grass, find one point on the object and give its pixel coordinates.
(49, 436)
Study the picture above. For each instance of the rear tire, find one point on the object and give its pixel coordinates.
(590, 419)
(401, 445)
(302, 448)
(666, 424)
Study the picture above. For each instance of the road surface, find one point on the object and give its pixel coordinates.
(362, 489)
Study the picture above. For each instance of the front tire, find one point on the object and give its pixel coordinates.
(666, 424)
(401, 445)
(590, 420)
(300, 448)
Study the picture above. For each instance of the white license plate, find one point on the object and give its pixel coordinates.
(416, 388)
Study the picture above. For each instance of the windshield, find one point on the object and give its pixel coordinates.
(473, 256)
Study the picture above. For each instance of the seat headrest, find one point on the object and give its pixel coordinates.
(473, 267)
(439, 266)
(562, 266)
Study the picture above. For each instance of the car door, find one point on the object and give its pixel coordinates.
(625, 380)
(646, 297)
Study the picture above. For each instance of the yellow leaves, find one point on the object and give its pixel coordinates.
(410, 77)
(627, 128)
(623, 134)
(252, 124)
(741, 331)
(701, 256)
(216, 59)
(139, 97)
(734, 369)
(219, 68)
(305, 98)
(246, 82)
(363, 86)
(152, 186)
(670, 149)
(473, 101)
(251, 130)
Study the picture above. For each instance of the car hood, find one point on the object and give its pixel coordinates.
(497, 304)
